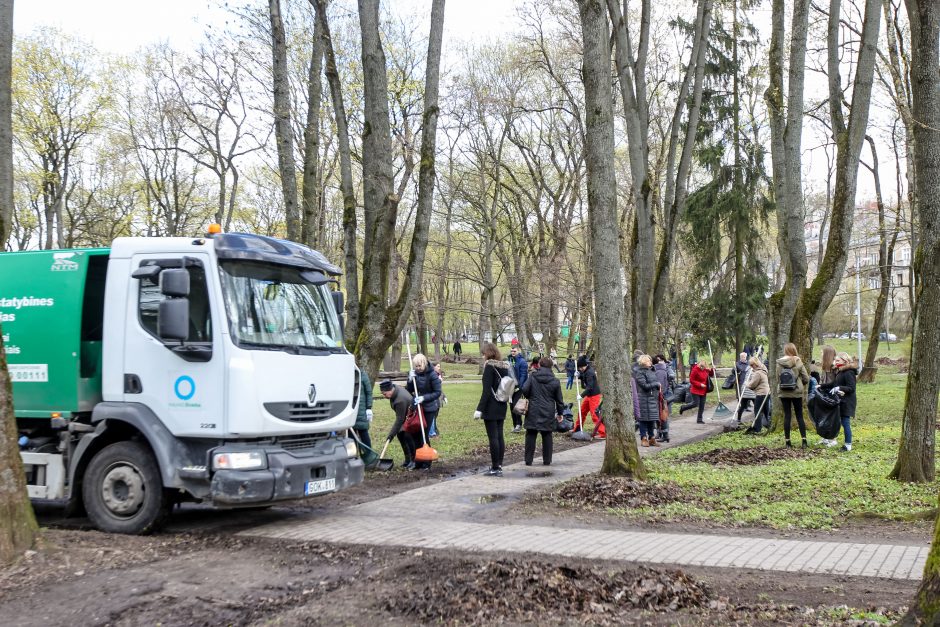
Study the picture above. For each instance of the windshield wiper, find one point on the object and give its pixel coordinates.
(292, 349)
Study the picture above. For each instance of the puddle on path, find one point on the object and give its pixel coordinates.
(538, 474)
(486, 499)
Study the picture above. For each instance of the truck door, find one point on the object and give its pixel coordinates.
(182, 382)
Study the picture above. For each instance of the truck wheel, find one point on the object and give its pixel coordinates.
(123, 491)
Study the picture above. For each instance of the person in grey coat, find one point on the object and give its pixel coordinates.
(647, 398)
(543, 390)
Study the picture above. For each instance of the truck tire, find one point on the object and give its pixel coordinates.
(122, 490)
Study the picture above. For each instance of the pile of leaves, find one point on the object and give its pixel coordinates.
(603, 491)
(752, 456)
(510, 590)
(887, 361)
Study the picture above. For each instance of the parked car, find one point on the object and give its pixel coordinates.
(889, 337)
(844, 336)
(857, 336)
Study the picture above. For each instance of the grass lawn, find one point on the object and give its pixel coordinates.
(811, 493)
(460, 433)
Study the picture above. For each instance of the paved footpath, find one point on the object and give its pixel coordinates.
(465, 514)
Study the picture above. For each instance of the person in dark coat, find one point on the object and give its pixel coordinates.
(843, 385)
(591, 396)
(401, 402)
(570, 369)
(458, 350)
(425, 387)
(666, 379)
(364, 421)
(545, 406)
(521, 371)
(740, 371)
(490, 409)
(648, 389)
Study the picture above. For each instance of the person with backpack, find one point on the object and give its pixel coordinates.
(498, 389)
(700, 384)
(520, 369)
(545, 407)
(757, 385)
(591, 396)
(843, 385)
(570, 369)
(792, 380)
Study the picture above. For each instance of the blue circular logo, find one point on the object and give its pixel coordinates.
(183, 383)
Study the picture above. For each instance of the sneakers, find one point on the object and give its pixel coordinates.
(517, 429)
(699, 422)
(408, 466)
(494, 472)
(846, 447)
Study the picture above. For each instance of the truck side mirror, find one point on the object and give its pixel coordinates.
(338, 302)
(173, 318)
(175, 282)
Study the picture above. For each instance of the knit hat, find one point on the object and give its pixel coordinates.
(582, 361)
(386, 385)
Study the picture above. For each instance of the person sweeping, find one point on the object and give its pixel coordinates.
(591, 396)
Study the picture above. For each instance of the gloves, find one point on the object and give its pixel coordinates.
(836, 390)
(477, 415)
(419, 400)
(411, 375)
(369, 415)
(579, 397)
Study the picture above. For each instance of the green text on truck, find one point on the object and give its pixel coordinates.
(163, 370)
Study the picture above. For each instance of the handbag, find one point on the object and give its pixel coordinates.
(521, 406)
(663, 409)
(412, 423)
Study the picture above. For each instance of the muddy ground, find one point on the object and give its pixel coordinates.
(199, 573)
(90, 578)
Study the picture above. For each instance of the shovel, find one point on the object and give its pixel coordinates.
(721, 410)
(380, 464)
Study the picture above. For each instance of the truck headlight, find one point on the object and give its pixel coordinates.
(243, 460)
(352, 450)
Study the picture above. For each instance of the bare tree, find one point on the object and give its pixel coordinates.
(621, 456)
(18, 527)
(283, 111)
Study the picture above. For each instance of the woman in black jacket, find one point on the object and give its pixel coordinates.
(647, 391)
(843, 385)
(492, 410)
(425, 387)
(543, 390)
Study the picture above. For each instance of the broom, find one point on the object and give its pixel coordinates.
(721, 410)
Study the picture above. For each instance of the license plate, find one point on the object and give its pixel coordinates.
(320, 486)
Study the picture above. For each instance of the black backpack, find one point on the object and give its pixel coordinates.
(787, 379)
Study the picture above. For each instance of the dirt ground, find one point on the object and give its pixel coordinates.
(90, 578)
(199, 573)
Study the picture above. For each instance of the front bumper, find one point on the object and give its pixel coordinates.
(287, 475)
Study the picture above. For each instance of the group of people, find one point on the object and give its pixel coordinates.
(797, 384)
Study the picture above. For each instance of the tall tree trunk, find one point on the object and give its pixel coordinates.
(443, 279)
(886, 244)
(621, 456)
(312, 192)
(785, 111)
(18, 527)
(849, 139)
(350, 222)
(282, 121)
(6, 122)
(916, 455)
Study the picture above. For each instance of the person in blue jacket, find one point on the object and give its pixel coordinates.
(520, 369)
(570, 369)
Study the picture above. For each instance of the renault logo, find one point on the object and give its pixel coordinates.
(311, 395)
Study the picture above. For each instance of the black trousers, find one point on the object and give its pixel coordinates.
(793, 406)
(700, 402)
(407, 446)
(494, 433)
(530, 436)
(743, 406)
(516, 418)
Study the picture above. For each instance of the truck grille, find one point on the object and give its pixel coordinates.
(301, 412)
(300, 442)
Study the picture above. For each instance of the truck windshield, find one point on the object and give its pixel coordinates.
(272, 307)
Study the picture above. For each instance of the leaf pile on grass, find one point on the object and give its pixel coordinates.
(510, 590)
(887, 361)
(747, 456)
(603, 491)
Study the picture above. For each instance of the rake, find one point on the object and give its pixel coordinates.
(721, 410)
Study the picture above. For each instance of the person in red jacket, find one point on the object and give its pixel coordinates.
(698, 378)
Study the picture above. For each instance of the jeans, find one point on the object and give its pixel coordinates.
(430, 422)
(494, 433)
(570, 381)
(530, 437)
(791, 406)
(647, 428)
(847, 428)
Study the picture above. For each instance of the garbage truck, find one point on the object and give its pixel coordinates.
(163, 370)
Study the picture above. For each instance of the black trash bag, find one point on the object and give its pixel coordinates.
(567, 420)
(728, 383)
(824, 410)
(680, 394)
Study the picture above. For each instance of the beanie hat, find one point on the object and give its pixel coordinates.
(386, 385)
(582, 361)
